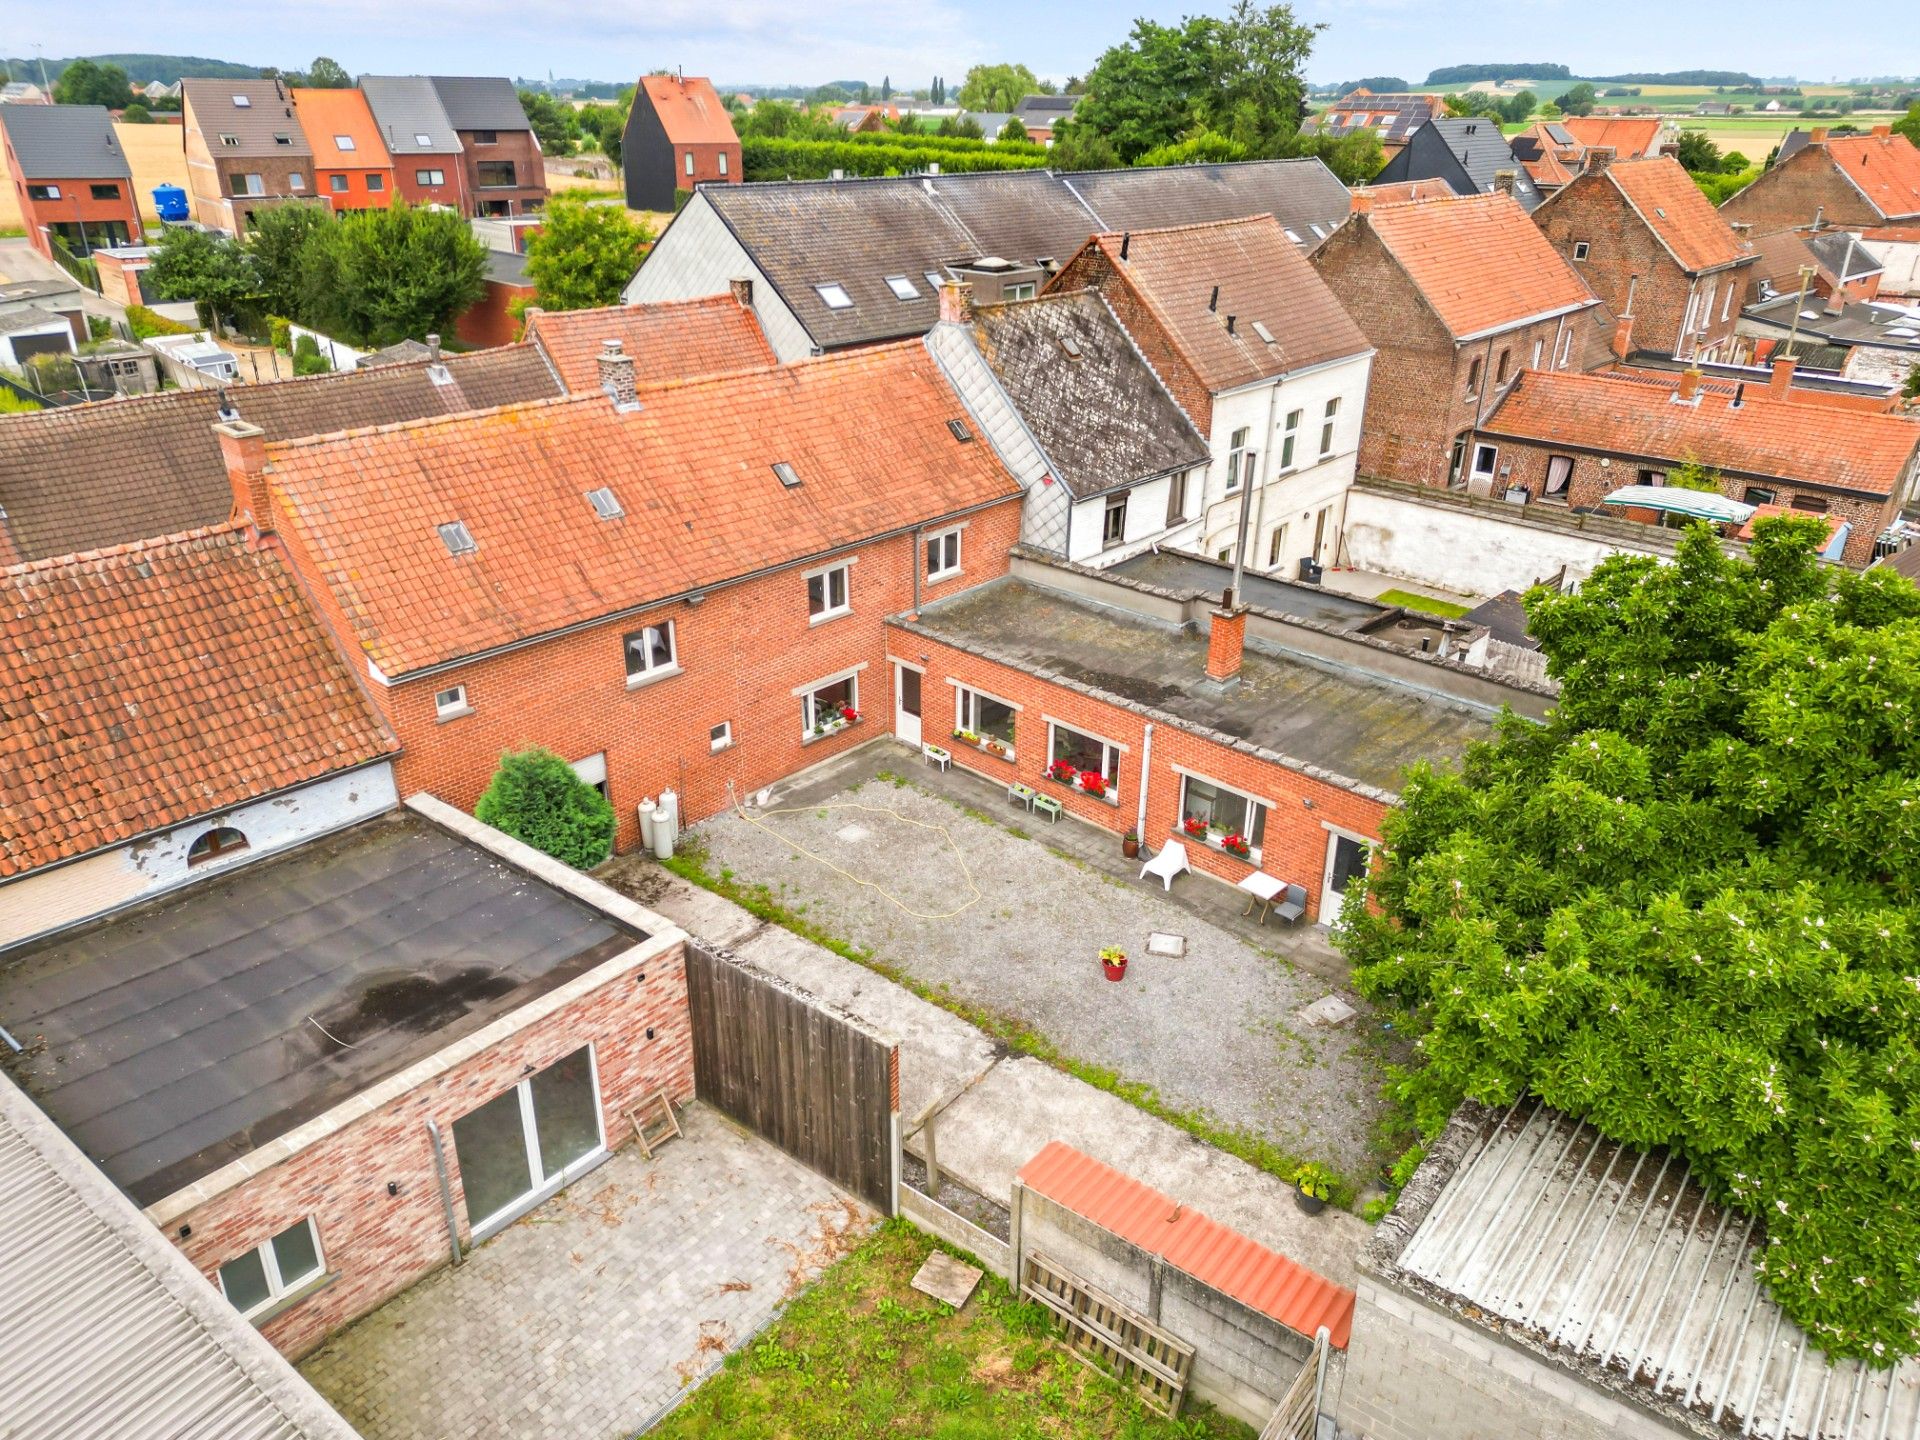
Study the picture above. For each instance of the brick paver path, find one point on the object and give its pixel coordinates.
(586, 1317)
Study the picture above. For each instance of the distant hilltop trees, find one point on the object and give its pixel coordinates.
(1468, 74)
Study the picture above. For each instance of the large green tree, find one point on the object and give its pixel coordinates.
(88, 82)
(195, 265)
(1909, 124)
(1684, 908)
(1579, 100)
(1698, 153)
(584, 255)
(283, 245)
(327, 73)
(381, 276)
(997, 87)
(554, 123)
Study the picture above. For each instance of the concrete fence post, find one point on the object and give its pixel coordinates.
(928, 1135)
(1016, 1247)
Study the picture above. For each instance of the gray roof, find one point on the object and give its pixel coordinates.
(258, 124)
(112, 1332)
(480, 102)
(1197, 575)
(1045, 109)
(1613, 1263)
(407, 106)
(1843, 254)
(1467, 153)
(189, 1031)
(64, 142)
(1343, 724)
(1886, 323)
(30, 317)
(1101, 414)
(507, 268)
(30, 290)
(1298, 193)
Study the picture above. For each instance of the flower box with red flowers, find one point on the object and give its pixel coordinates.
(1236, 844)
(1087, 782)
(1195, 827)
(846, 716)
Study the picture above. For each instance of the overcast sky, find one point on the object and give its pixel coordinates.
(813, 41)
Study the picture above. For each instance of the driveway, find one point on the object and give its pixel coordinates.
(588, 1317)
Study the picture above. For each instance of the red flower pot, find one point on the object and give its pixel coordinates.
(1114, 972)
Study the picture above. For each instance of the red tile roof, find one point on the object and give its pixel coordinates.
(146, 685)
(689, 110)
(1402, 192)
(1885, 167)
(1630, 138)
(692, 468)
(1216, 1256)
(1481, 262)
(1880, 404)
(677, 340)
(1792, 441)
(1262, 278)
(1678, 213)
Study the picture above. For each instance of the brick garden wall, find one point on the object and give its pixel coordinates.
(1295, 848)
(377, 1244)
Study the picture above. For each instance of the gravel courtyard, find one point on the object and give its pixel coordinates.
(886, 865)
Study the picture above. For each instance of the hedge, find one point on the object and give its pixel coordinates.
(770, 159)
(145, 324)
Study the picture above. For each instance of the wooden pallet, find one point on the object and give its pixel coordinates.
(667, 1129)
(1112, 1337)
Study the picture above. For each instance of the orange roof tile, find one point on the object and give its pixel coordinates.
(1212, 1253)
(1262, 278)
(1883, 404)
(1403, 192)
(673, 341)
(689, 110)
(1885, 167)
(1674, 208)
(152, 683)
(692, 469)
(1787, 440)
(1629, 137)
(326, 115)
(1481, 262)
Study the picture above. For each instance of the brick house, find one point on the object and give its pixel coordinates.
(1654, 249)
(352, 169)
(70, 177)
(1458, 297)
(1256, 350)
(429, 162)
(678, 136)
(682, 588)
(245, 150)
(505, 173)
(1852, 181)
(1574, 439)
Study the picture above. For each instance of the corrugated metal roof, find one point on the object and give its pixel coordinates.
(1212, 1253)
(111, 1332)
(64, 142)
(1617, 1260)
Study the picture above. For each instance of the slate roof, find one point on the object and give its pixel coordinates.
(1263, 280)
(1047, 110)
(692, 468)
(88, 476)
(1885, 167)
(1680, 216)
(327, 114)
(1842, 254)
(675, 340)
(1099, 412)
(269, 113)
(689, 109)
(145, 685)
(64, 142)
(1805, 444)
(405, 107)
(1480, 261)
(1300, 194)
(480, 102)
(1468, 153)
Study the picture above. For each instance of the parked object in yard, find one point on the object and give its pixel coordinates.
(1312, 1187)
(1130, 845)
(1114, 961)
(1171, 861)
(1262, 890)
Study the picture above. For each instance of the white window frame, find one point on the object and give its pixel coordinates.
(966, 714)
(1277, 547)
(1020, 290)
(723, 162)
(1566, 348)
(1493, 461)
(451, 704)
(1115, 504)
(429, 177)
(1255, 804)
(1110, 753)
(1289, 438)
(834, 295)
(689, 164)
(808, 716)
(720, 737)
(1327, 427)
(1581, 249)
(1237, 457)
(829, 610)
(650, 669)
(1538, 347)
(1726, 304)
(279, 1289)
(296, 180)
(947, 544)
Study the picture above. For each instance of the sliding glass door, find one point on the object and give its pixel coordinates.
(523, 1145)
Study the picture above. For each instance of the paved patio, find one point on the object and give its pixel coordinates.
(886, 866)
(586, 1318)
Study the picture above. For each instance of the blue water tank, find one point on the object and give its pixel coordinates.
(170, 201)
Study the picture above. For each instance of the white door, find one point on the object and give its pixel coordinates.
(1346, 862)
(906, 704)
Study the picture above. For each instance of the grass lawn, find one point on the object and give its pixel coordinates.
(1425, 603)
(863, 1353)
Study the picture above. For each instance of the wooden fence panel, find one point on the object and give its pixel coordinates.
(795, 1071)
(1155, 1363)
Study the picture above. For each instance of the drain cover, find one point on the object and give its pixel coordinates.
(1163, 942)
(1328, 1010)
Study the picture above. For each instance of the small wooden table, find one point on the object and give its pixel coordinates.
(1263, 890)
(1021, 794)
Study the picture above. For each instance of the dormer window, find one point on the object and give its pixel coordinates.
(902, 287)
(834, 297)
(456, 537)
(214, 845)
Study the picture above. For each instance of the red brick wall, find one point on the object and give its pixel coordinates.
(706, 165)
(378, 1244)
(489, 322)
(529, 190)
(76, 205)
(742, 650)
(1092, 270)
(1793, 192)
(453, 191)
(1295, 846)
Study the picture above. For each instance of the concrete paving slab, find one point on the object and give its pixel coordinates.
(947, 1279)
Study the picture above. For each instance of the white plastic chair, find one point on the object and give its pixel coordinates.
(1169, 862)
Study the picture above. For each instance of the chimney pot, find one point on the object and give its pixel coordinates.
(433, 349)
(616, 375)
(1598, 159)
(742, 288)
(956, 302)
(1817, 136)
(1226, 644)
(1780, 383)
(1505, 180)
(243, 449)
(1126, 241)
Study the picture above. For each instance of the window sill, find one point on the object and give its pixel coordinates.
(1212, 842)
(1005, 752)
(814, 737)
(261, 1318)
(944, 576)
(1109, 796)
(441, 717)
(827, 615)
(650, 677)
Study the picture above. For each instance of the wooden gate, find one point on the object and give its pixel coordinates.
(795, 1071)
(1297, 1415)
(1138, 1352)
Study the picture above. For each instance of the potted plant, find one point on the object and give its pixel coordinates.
(1130, 845)
(1236, 844)
(1094, 783)
(1114, 961)
(849, 714)
(1312, 1187)
(1195, 827)
(1062, 771)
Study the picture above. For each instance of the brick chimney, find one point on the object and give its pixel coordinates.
(1817, 135)
(1362, 203)
(1882, 132)
(616, 375)
(1780, 383)
(1226, 643)
(1623, 337)
(956, 302)
(1689, 385)
(742, 288)
(1598, 159)
(1505, 180)
(243, 448)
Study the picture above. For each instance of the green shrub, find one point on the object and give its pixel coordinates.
(99, 328)
(536, 797)
(145, 324)
(311, 362)
(280, 331)
(765, 158)
(305, 346)
(14, 403)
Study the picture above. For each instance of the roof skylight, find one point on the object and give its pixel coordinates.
(243, 102)
(902, 287)
(605, 503)
(1262, 331)
(960, 431)
(834, 297)
(786, 473)
(456, 537)
(421, 138)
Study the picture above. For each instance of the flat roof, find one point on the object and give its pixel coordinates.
(1175, 570)
(184, 1033)
(1352, 726)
